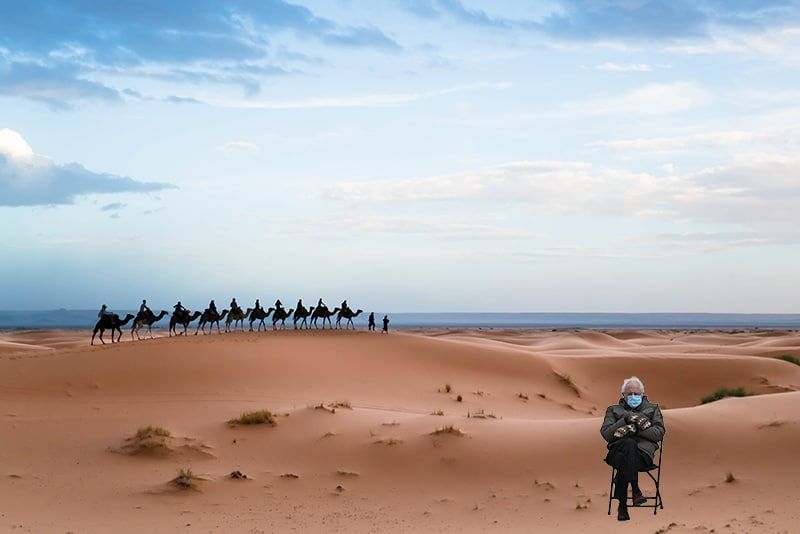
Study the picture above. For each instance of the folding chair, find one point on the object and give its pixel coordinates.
(657, 500)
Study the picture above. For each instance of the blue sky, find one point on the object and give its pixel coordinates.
(418, 155)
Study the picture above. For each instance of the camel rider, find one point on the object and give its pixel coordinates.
(143, 309)
(104, 311)
(321, 304)
(299, 304)
(212, 307)
(234, 306)
(258, 305)
(278, 305)
(178, 308)
(344, 305)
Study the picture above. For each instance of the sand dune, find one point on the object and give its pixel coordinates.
(529, 462)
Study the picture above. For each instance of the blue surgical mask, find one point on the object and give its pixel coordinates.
(634, 400)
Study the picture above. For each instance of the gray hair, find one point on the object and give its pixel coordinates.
(631, 380)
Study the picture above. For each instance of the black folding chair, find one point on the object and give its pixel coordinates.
(658, 502)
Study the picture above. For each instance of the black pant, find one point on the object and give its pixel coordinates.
(629, 460)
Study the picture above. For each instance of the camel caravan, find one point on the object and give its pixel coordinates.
(234, 318)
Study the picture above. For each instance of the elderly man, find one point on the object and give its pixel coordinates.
(632, 428)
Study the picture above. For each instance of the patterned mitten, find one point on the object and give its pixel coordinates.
(641, 421)
(624, 431)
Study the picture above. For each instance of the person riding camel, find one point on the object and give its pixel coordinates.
(212, 307)
(143, 309)
(321, 304)
(179, 308)
(104, 311)
(345, 307)
(278, 305)
(234, 306)
(299, 304)
(258, 305)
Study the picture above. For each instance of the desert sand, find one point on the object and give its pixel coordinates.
(532, 461)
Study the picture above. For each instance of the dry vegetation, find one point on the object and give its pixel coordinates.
(258, 417)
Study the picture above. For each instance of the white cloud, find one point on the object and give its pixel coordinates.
(362, 101)
(762, 189)
(650, 99)
(13, 146)
(238, 146)
(623, 67)
(29, 179)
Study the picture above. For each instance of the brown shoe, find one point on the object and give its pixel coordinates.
(639, 499)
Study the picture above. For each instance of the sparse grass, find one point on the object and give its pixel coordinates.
(186, 479)
(789, 358)
(290, 475)
(321, 406)
(448, 388)
(437, 412)
(480, 414)
(567, 381)
(459, 399)
(523, 396)
(389, 442)
(392, 423)
(729, 478)
(542, 395)
(721, 393)
(258, 417)
(340, 404)
(343, 473)
(449, 429)
(772, 424)
(149, 431)
(583, 505)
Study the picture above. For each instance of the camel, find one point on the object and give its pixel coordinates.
(349, 315)
(183, 317)
(281, 315)
(110, 322)
(236, 316)
(146, 319)
(302, 313)
(325, 314)
(211, 318)
(259, 315)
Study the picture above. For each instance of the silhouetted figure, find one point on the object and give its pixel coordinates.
(178, 308)
(212, 306)
(321, 304)
(371, 324)
(143, 309)
(278, 305)
(299, 304)
(345, 306)
(385, 325)
(234, 306)
(104, 311)
(257, 306)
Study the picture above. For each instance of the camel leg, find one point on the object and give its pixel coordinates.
(102, 331)
(94, 334)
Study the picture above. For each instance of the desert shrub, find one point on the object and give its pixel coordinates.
(721, 393)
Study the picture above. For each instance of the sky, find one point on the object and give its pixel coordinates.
(408, 155)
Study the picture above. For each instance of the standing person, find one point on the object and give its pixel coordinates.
(385, 324)
(371, 325)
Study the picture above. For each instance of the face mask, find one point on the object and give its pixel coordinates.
(634, 400)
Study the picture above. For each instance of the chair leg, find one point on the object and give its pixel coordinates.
(611, 489)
